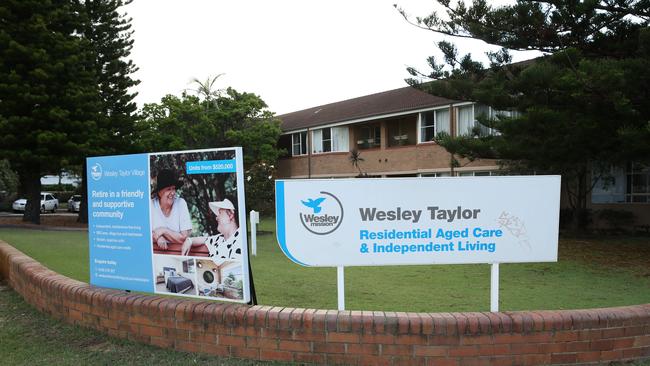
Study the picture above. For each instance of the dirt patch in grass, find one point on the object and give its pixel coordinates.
(47, 221)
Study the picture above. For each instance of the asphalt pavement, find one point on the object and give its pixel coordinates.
(59, 212)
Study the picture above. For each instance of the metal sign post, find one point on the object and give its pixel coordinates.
(494, 288)
(254, 219)
(340, 286)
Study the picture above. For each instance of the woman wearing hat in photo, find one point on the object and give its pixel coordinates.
(227, 244)
(170, 217)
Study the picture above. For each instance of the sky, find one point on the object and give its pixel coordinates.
(293, 54)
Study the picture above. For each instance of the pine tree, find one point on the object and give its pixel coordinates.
(110, 36)
(48, 93)
(582, 106)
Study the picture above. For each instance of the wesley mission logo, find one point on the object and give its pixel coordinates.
(321, 215)
(96, 171)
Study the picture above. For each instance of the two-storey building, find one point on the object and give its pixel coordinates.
(393, 131)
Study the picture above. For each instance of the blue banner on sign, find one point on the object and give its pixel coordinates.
(210, 166)
(118, 222)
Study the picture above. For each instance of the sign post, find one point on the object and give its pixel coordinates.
(254, 220)
(494, 288)
(340, 286)
(410, 221)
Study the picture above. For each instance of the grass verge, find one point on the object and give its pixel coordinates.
(590, 273)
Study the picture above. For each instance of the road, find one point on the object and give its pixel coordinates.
(59, 212)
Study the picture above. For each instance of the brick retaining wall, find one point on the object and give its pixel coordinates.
(336, 337)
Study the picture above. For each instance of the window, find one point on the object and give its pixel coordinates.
(369, 136)
(440, 174)
(465, 120)
(484, 173)
(468, 118)
(299, 143)
(432, 123)
(638, 182)
(330, 139)
(401, 132)
(427, 126)
(442, 121)
(620, 185)
(482, 111)
(188, 266)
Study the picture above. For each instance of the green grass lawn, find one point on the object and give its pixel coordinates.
(589, 273)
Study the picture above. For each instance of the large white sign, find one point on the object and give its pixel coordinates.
(365, 222)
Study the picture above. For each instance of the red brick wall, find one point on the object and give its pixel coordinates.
(401, 159)
(336, 337)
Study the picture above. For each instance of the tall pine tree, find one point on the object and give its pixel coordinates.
(49, 95)
(109, 34)
(64, 86)
(581, 107)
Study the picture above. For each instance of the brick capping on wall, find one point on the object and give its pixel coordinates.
(588, 336)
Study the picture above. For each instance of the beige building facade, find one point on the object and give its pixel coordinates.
(393, 138)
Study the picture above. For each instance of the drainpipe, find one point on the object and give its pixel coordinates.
(308, 154)
(452, 132)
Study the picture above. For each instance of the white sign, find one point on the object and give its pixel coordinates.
(366, 222)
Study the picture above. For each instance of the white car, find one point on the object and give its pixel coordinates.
(74, 203)
(48, 203)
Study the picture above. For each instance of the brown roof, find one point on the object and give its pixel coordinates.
(388, 102)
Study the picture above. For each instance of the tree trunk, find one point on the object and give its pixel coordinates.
(580, 219)
(30, 181)
(83, 205)
(451, 165)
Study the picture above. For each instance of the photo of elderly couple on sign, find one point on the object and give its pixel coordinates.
(194, 214)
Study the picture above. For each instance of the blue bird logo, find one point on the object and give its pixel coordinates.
(314, 204)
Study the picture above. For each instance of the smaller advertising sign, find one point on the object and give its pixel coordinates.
(170, 223)
(118, 217)
(363, 222)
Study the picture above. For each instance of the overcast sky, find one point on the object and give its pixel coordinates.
(294, 54)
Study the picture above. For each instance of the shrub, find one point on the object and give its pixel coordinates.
(616, 220)
(260, 188)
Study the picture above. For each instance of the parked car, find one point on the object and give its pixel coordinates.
(74, 203)
(48, 203)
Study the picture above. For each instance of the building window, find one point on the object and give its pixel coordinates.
(443, 123)
(638, 177)
(427, 126)
(483, 173)
(401, 132)
(468, 119)
(439, 174)
(369, 136)
(330, 139)
(482, 111)
(620, 185)
(299, 143)
(432, 123)
(465, 120)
